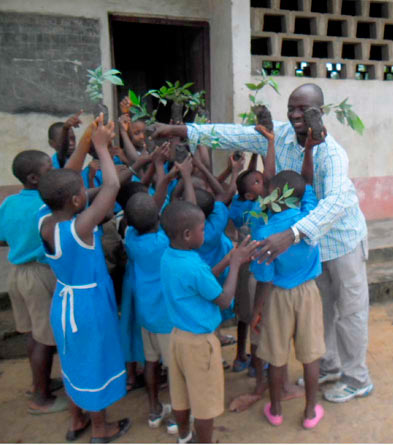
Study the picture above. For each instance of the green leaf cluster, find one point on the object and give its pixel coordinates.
(249, 118)
(346, 115)
(275, 201)
(96, 79)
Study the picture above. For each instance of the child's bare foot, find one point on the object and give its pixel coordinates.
(243, 402)
(291, 391)
(49, 406)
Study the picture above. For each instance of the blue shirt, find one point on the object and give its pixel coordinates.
(216, 244)
(239, 211)
(145, 251)
(190, 289)
(19, 227)
(55, 161)
(337, 223)
(301, 262)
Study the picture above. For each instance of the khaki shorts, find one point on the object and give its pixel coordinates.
(245, 294)
(196, 375)
(292, 314)
(156, 346)
(31, 287)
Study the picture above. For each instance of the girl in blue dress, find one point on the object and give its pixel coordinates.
(84, 313)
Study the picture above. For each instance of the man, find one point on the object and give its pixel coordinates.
(337, 224)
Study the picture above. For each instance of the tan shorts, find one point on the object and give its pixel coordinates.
(156, 346)
(245, 294)
(196, 375)
(292, 314)
(31, 287)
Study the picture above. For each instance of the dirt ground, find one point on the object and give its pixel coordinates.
(367, 420)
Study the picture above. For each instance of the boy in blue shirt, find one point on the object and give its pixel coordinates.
(145, 244)
(194, 299)
(31, 281)
(288, 300)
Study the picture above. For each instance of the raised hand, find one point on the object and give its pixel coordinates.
(102, 135)
(186, 167)
(311, 142)
(73, 121)
(125, 121)
(269, 135)
(125, 105)
(237, 164)
(245, 251)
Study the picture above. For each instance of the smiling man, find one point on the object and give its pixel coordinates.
(336, 224)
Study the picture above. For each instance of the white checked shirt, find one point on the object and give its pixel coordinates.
(337, 223)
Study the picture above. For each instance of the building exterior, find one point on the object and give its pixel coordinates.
(345, 46)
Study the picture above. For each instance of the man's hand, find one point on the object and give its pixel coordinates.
(73, 121)
(169, 131)
(311, 142)
(274, 245)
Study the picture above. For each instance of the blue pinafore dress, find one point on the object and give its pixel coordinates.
(85, 322)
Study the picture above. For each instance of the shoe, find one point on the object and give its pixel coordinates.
(171, 427)
(71, 436)
(240, 366)
(124, 426)
(60, 404)
(309, 424)
(324, 377)
(342, 392)
(189, 439)
(155, 420)
(273, 420)
(227, 340)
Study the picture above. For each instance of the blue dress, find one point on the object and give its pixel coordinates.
(85, 322)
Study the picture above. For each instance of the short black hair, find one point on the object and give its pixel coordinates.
(53, 129)
(142, 212)
(205, 201)
(129, 189)
(27, 162)
(179, 216)
(58, 186)
(241, 182)
(293, 179)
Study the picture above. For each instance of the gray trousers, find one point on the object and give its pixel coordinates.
(344, 290)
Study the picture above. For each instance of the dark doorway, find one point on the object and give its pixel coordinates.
(149, 52)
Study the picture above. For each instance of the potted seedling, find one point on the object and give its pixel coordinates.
(345, 115)
(178, 94)
(94, 87)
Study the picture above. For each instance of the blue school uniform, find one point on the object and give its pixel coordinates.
(301, 262)
(189, 289)
(130, 329)
(18, 227)
(145, 251)
(217, 245)
(55, 161)
(85, 322)
(239, 211)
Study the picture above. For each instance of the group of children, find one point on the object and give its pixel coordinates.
(182, 276)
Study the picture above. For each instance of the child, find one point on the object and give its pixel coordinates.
(31, 281)
(289, 300)
(61, 137)
(84, 311)
(145, 245)
(194, 298)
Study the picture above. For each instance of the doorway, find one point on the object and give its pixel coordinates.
(150, 51)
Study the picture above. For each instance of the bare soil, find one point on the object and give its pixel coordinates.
(366, 420)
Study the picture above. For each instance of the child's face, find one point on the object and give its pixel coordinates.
(196, 236)
(56, 142)
(137, 134)
(254, 186)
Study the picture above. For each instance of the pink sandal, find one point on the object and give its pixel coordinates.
(312, 423)
(273, 420)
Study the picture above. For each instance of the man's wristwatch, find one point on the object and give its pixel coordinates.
(296, 234)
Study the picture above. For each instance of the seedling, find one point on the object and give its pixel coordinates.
(263, 116)
(345, 115)
(313, 119)
(138, 109)
(96, 79)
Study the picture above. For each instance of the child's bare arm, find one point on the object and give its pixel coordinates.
(252, 165)
(239, 255)
(73, 121)
(269, 162)
(203, 154)
(262, 290)
(162, 186)
(185, 169)
(222, 177)
(236, 167)
(77, 159)
(128, 147)
(211, 179)
(105, 199)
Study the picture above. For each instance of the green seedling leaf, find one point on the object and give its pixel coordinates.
(135, 100)
(274, 85)
(275, 207)
(111, 72)
(265, 217)
(188, 85)
(115, 80)
(274, 194)
(340, 116)
(287, 193)
(252, 86)
(252, 98)
(292, 202)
